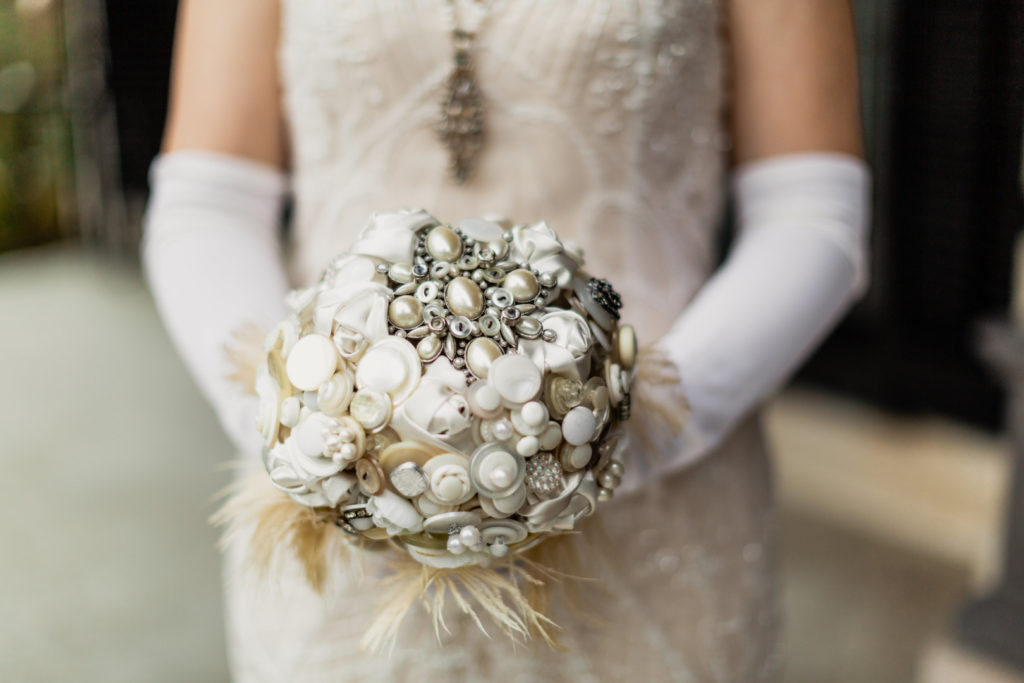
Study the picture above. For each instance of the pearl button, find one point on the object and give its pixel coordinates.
(480, 355)
(495, 469)
(463, 297)
(444, 244)
(405, 312)
(522, 284)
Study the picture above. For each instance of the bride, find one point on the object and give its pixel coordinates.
(626, 126)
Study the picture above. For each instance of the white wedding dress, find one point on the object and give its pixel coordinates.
(605, 118)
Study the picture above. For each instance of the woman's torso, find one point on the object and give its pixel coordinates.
(603, 118)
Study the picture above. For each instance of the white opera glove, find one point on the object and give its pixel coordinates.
(799, 261)
(212, 257)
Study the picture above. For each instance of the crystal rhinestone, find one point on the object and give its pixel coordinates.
(544, 475)
(605, 295)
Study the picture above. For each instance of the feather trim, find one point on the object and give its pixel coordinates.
(245, 354)
(272, 521)
(516, 592)
(660, 407)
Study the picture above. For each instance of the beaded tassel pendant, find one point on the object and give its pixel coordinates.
(461, 126)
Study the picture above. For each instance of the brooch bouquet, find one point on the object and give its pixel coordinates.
(452, 394)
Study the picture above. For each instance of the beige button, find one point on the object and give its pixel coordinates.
(370, 476)
(447, 521)
(405, 451)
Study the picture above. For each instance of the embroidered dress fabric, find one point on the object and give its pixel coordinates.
(604, 118)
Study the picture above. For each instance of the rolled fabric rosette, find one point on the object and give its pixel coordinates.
(455, 391)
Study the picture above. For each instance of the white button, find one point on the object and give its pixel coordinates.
(578, 425)
(311, 362)
(516, 379)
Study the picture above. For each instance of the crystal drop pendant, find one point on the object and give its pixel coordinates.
(461, 126)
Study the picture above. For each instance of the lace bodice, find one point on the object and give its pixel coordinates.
(604, 118)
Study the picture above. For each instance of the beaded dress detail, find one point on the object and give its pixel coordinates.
(604, 118)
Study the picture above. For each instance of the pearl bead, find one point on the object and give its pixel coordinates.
(444, 244)
(503, 430)
(616, 468)
(499, 549)
(455, 545)
(469, 536)
(522, 284)
(501, 476)
(605, 495)
(463, 297)
(609, 480)
(405, 312)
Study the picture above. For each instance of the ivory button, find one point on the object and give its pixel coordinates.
(551, 436)
(575, 457)
(515, 378)
(449, 479)
(483, 400)
(311, 362)
(405, 452)
(496, 470)
(505, 506)
(508, 531)
(444, 522)
(527, 446)
(578, 425)
(391, 365)
(308, 436)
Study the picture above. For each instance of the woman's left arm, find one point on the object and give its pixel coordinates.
(800, 187)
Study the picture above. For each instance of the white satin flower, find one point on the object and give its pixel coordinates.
(539, 244)
(391, 235)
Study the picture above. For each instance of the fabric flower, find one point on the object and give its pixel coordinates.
(391, 235)
(538, 244)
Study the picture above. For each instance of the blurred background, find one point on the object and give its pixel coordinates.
(899, 448)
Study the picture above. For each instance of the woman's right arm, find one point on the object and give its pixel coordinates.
(210, 246)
